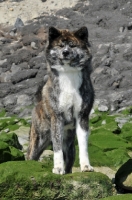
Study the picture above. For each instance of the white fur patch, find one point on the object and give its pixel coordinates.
(58, 163)
(82, 137)
(70, 82)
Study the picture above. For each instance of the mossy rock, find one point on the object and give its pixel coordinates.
(9, 153)
(117, 156)
(106, 140)
(97, 157)
(2, 113)
(3, 125)
(127, 111)
(11, 139)
(16, 154)
(127, 131)
(5, 154)
(34, 180)
(119, 197)
(12, 123)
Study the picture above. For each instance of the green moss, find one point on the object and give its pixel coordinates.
(112, 126)
(109, 123)
(98, 157)
(106, 140)
(11, 139)
(2, 113)
(24, 122)
(12, 123)
(127, 111)
(96, 121)
(117, 156)
(3, 125)
(13, 127)
(31, 180)
(9, 153)
(9, 146)
(16, 154)
(5, 154)
(127, 131)
(120, 197)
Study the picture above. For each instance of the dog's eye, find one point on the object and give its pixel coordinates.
(72, 44)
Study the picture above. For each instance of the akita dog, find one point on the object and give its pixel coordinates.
(66, 101)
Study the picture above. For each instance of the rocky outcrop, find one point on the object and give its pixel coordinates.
(22, 58)
(34, 180)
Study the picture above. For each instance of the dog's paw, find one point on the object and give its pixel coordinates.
(58, 171)
(87, 168)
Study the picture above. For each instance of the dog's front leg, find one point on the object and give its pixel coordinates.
(82, 131)
(57, 134)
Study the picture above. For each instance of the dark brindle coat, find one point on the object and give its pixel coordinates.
(66, 101)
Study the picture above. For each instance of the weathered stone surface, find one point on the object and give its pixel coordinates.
(110, 39)
(25, 74)
(123, 177)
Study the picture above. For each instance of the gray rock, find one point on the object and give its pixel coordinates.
(10, 100)
(33, 45)
(109, 26)
(103, 106)
(19, 23)
(3, 61)
(122, 120)
(25, 74)
(24, 100)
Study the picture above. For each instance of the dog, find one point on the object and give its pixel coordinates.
(65, 102)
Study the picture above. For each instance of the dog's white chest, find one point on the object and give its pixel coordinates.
(70, 83)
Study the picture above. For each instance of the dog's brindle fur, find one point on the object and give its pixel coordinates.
(66, 101)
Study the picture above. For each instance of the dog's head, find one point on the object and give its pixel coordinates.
(68, 50)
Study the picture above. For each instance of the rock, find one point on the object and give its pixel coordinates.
(25, 74)
(19, 23)
(122, 120)
(10, 100)
(24, 100)
(128, 54)
(109, 37)
(103, 105)
(23, 136)
(103, 108)
(33, 45)
(35, 179)
(123, 177)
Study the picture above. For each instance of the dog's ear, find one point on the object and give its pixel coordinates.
(82, 34)
(53, 33)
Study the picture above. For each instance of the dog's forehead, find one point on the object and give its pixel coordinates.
(67, 35)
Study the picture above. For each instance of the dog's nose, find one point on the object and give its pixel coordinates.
(65, 53)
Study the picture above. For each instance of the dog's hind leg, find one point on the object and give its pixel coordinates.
(37, 143)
